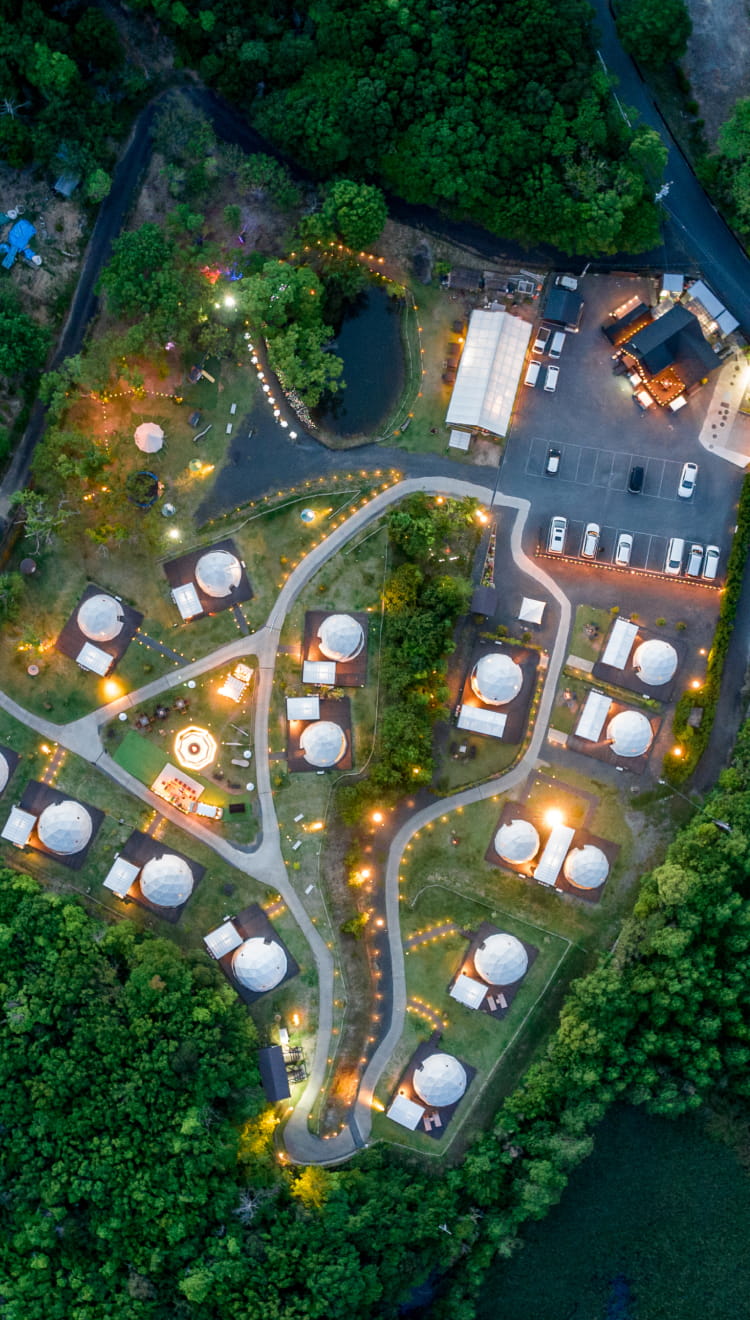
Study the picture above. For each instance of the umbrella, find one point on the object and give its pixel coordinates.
(149, 437)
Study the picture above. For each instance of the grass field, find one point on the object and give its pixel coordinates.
(588, 648)
(657, 1213)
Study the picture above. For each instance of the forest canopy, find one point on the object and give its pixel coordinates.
(495, 110)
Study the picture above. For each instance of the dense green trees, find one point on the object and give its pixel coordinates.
(495, 109)
(23, 343)
(654, 31)
(285, 303)
(727, 170)
(355, 211)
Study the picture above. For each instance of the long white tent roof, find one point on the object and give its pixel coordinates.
(489, 371)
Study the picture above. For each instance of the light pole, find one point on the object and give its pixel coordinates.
(720, 824)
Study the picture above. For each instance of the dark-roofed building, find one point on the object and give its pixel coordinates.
(273, 1076)
(563, 308)
(465, 278)
(484, 601)
(625, 326)
(670, 354)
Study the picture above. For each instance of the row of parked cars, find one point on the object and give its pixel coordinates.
(694, 559)
(548, 341)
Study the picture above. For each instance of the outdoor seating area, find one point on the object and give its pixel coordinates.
(492, 971)
(319, 734)
(156, 878)
(497, 691)
(54, 824)
(430, 1090)
(208, 580)
(251, 954)
(541, 846)
(99, 631)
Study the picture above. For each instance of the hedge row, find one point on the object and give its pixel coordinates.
(693, 742)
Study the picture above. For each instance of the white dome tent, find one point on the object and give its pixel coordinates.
(149, 437)
(518, 841)
(497, 679)
(218, 573)
(323, 743)
(65, 827)
(259, 964)
(4, 771)
(100, 618)
(440, 1080)
(501, 959)
(341, 637)
(166, 881)
(586, 867)
(655, 662)
(630, 733)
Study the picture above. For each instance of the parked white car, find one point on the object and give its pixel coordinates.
(711, 562)
(590, 542)
(550, 380)
(688, 479)
(624, 549)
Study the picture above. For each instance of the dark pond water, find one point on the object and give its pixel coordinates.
(369, 344)
(653, 1226)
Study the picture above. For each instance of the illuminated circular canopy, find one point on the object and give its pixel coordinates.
(655, 661)
(195, 748)
(149, 437)
(440, 1080)
(323, 743)
(341, 637)
(100, 618)
(4, 772)
(65, 827)
(497, 679)
(259, 964)
(587, 867)
(166, 880)
(501, 959)
(218, 573)
(518, 841)
(630, 733)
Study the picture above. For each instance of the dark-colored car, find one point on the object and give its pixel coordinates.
(635, 480)
(195, 418)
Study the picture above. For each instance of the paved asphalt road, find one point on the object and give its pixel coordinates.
(695, 223)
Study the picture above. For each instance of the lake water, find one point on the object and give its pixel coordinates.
(369, 344)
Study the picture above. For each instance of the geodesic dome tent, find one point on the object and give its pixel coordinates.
(323, 743)
(630, 733)
(341, 637)
(440, 1080)
(259, 964)
(100, 618)
(586, 867)
(166, 881)
(218, 573)
(4, 772)
(65, 827)
(501, 959)
(497, 679)
(655, 662)
(518, 841)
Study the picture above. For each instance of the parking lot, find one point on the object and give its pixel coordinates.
(601, 434)
(648, 554)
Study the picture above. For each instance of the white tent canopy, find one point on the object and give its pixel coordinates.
(477, 719)
(489, 372)
(120, 876)
(223, 940)
(532, 611)
(619, 643)
(406, 1112)
(593, 716)
(149, 437)
(468, 991)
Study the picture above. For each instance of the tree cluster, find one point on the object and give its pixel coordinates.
(64, 88)
(727, 170)
(492, 109)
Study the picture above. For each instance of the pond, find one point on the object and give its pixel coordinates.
(369, 344)
(653, 1225)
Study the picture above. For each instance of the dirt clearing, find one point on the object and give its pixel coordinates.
(718, 59)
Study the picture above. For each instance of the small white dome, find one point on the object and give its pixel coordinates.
(166, 880)
(65, 827)
(100, 618)
(218, 572)
(4, 772)
(259, 964)
(630, 733)
(341, 637)
(323, 743)
(440, 1080)
(501, 960)
(497, 679)
(518, 841)
(655, 662)
(587, 867)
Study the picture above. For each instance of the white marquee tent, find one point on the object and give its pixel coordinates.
(489, 372)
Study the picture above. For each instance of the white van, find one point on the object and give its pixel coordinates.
(532, 373)
(695, 560)
(557, 345)
(558, 530)
(550, 379)
(675, 555)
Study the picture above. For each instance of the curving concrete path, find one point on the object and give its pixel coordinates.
(265, 862)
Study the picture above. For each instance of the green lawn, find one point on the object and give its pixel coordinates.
(436, 312)
(588, 648)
